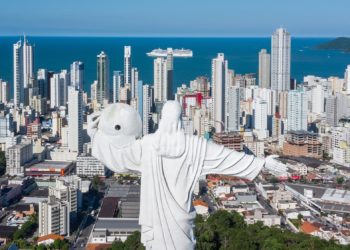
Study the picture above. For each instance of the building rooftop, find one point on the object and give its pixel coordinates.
(108, 207)
(50, 164)
(117, 224)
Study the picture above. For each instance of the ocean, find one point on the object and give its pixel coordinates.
(56, 53)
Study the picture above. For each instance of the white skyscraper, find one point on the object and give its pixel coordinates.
(260, 114)
(118, 82)
(297, 110)
(102, 78)
(347, 79)
(219, 69)
(127, 65)
(260, 117)
(22, 69)
(280, 60)
(160, 79)
(58, 89)
(264, 69)
(233, 119)
(317, 99)
(146, 108)
(77, 75)
(134, 82)
(75, 120)
(4, 91)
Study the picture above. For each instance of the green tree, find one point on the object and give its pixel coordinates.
(117, 245)
(133, 242)
(96, 182)
(340, 180)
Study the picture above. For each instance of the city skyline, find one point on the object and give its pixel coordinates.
(155, 18)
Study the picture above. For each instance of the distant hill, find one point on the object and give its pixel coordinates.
(340, 43)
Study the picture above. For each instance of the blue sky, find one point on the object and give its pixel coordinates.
(174, 18)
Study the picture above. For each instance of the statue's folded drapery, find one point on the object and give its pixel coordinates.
(167, 184)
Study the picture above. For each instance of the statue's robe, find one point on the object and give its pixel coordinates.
(167, 183)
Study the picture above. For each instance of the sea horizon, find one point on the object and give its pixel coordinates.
(58, 52)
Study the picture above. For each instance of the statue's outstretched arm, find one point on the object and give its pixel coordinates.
(221, 160)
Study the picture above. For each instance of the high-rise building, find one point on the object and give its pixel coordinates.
(233, 114)
(4, 91)
(260, 114)
(160, 80)
(118, 83)
(127, 65)
(347, 79)
(102, 78)
(134, 82)
(317, 99)
(22, 69)
(66, 191)
(53, 217)
(77, 75)
(75, 119)
(297, 110)
(93, 91)
(170, 72)
(201, 84)
(280, 60)
(337, 107)
(219, 70)
(58, 87)
(43, 82)
(146, 108)
(264, 69)
(6, 125)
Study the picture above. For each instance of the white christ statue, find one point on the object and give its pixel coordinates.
(170, 163)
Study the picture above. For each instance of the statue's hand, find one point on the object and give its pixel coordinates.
(93, 121)
(275, 167)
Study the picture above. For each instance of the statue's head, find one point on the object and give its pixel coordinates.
(121, 123)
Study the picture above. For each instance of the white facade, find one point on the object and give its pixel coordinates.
(22, 69)
(347, 79)
(233, 118)
(58, 89)
(127, 65)
(317, 100)
(264, 69)
(53, 217)
(219, 69)
(134, 82)
(260, 114)
(280, 60)
(77, 75)
(118, 82)
(297, 111)
(160, 79)
(75, 120)
(17, 156)
(89, 166)
(4, 91)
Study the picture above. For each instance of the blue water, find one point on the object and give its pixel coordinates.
(56, 53)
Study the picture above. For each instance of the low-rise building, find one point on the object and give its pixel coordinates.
(17, 156)
(302, 143)
(89, 166)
